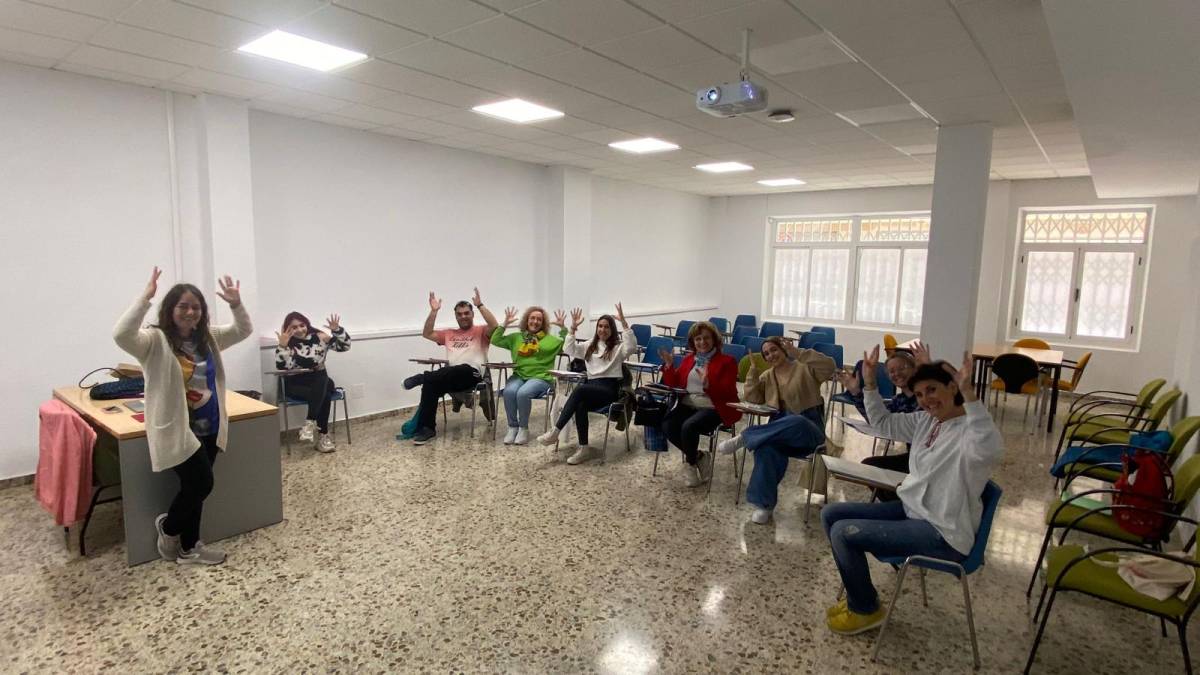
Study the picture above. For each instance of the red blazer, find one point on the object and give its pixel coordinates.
(722, 382)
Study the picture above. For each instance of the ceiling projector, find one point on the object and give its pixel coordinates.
(734, 98)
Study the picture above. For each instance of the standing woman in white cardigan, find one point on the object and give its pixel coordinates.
(186, 419)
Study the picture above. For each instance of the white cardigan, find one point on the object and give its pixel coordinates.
(597, 365)
(168, 430)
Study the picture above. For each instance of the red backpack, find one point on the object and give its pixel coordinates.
(1146, 483)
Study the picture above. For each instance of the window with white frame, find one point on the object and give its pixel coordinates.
(858, 269)
(1080, 273)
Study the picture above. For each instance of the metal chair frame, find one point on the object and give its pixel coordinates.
(283, 403)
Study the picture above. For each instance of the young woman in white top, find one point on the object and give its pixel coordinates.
(186, 419)
(955, 445)
(604, 358)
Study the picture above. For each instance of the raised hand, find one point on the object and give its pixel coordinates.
(286, 336)
(667, 358)
(333, 323)
(920, 352)
(576, 319)
(849, 380)
(475, 299)
(621, 316)
(963, 377)
(560, 318)
(230, 291)
(870, 361)
(510, 315)
(435, 303)
(152, 285)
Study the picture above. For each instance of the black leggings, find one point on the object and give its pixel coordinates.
(686, 424)
(195, 484)
(587, 397)
(316, 389)
(438, 383)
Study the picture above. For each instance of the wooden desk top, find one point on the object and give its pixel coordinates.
(753, 408)
(1045, 357)
(122, 426)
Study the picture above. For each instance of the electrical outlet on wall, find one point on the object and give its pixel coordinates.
(357, 391)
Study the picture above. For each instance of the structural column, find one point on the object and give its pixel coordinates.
(960, 191)
(568, 240)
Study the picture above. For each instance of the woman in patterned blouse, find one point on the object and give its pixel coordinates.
(303, 347)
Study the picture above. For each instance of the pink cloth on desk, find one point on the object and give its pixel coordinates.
(63, 484)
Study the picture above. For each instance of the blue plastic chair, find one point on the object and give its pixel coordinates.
(975, 560)
(736, 351)
(721, 324)
(641, 332)
(740, 333)
(771, 329)
(745, 320)
(827, 330)
(886, 389)
(811, 340)
(656, 343)
(753, 345)
(339, 394)
(681, 331)
(831, 350)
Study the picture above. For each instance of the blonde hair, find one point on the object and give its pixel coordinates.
(524, 325)
(712, 329)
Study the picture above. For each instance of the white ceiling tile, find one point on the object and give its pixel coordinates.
(432, 17)
(955, 86)
(577, 66)
(85, 69)
(304, 99)
(431, 127)
(253, 67)
(479, 139)
(632, 87)
(995, 109)
(377, 116)
(31, 44)
(154, 45)
(676, 104)
(588, 22)
(105, 9)
(879, 115)
(402, 133)
(403, 79)
(604, 136)
(566, 143)
(656, 48)
(471, 120)
(222, 83)
(270, 13)
(772, 22)
(191, 23)
(350, 30)
(446, 60)
(506, 39)
(279, 108)
(48, 20)
(802, 53)
(338, 120)
(616, 115)
(508, 5)
(338, 87)
(693, 76)
(121, 62)
(413, 105)
(569, 125)
(27, 59)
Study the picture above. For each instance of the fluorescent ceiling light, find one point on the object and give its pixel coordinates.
(517, 110)
(723, 167)
(301, 51)
(781, 182)
(642, 146)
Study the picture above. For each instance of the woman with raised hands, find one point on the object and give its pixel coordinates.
(186, 419)
(955, 446)
(604, 359)
(533, 351)
(304, 347)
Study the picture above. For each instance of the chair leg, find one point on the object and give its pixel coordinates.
(712, 461)
(812, 482)
(924, 597)
(1041, 556)
(1037, 639)
(86, 520)
(1187, 657)
(445, 420)
(346, 417)
(628, 442)
(891, 608)
(476, 401)
(970, 616)
(740, 474)
(654, 471)
(607, 425)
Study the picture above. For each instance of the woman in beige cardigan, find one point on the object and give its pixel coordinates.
(791, 385)
(186, 420)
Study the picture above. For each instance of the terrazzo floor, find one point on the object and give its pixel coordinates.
(469, 556)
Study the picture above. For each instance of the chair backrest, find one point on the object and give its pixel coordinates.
(1159, 409)
(887, 388)
(740, 333)
(991, 500)
(1187, 482)
(753, 344)
(811, 340)
(889, 343)
(642, 332)
(827, 330)
(1181, 433)
(831, 350)
(1032, 343)
(1079, 366)
(682, 329)
(771, 329)
(745, 320)
(1149, 391)
(1014, 370)
(735, 350)
(721, 323)
(744, 364)
(656, 343)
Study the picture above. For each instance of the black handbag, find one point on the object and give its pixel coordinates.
(652, 407)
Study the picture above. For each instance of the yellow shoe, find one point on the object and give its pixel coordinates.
(840, 607)
(852, 623)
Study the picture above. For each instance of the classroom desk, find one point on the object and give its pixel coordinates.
(247, 487)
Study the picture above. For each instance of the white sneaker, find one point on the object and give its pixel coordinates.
(168, 546)
(581, 455)
(549, 438)
(691, 476)
(522, 437)
(510, 436)
(730, 445)
(326, 444)
(308, 430)
(761, 516)
(201, 555)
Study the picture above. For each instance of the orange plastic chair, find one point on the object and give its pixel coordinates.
(1032, 343)
(1077, 367)
(889, 343)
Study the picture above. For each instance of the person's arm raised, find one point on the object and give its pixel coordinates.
(489, 319)
(435, 304)
(896, 426)
(128, 333)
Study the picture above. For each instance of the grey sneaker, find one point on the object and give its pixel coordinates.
(307, 431)
(549, 438)
(326, 444)
(760, 516)
(423, 436)
(583, 454)
(510, 436)
(201, 555)
(168, 546)
(691, 476)
(522, 436)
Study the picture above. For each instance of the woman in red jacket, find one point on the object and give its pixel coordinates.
(711, 380)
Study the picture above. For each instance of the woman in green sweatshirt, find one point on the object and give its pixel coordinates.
(533, 351)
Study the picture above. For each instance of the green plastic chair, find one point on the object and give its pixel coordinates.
(744, 365)
(1181, 433)
(1093, 402)
(1088, 431)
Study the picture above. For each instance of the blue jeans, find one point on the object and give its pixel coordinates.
(773, 443)
(518, 399)
(881, 528)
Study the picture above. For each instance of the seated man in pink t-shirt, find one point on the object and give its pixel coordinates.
(466, 350)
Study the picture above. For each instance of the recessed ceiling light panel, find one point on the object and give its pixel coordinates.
(724, 167)
(642, 146)
(781, 182)
(302, 51)
(517, 110)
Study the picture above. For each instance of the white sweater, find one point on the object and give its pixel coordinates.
(167, 429)
(945, 481)
(597, 365)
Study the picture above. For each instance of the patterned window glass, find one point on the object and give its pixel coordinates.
(878, 277)
(912, 286)
(896, 228)
(1096, 227)
(791, 282)
(812, 231)
(1105, 293)
(827, 292)
(1047, 292)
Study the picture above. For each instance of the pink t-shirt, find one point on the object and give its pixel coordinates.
(468, 346)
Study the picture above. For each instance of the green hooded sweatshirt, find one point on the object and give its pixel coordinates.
(533, 354)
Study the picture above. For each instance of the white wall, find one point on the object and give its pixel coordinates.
(84, 213)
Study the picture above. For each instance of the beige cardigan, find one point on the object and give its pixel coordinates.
(167, 429)
(802, 392)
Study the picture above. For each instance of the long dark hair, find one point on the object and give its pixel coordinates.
(295, 315)
(166, 319)
(611, 342)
